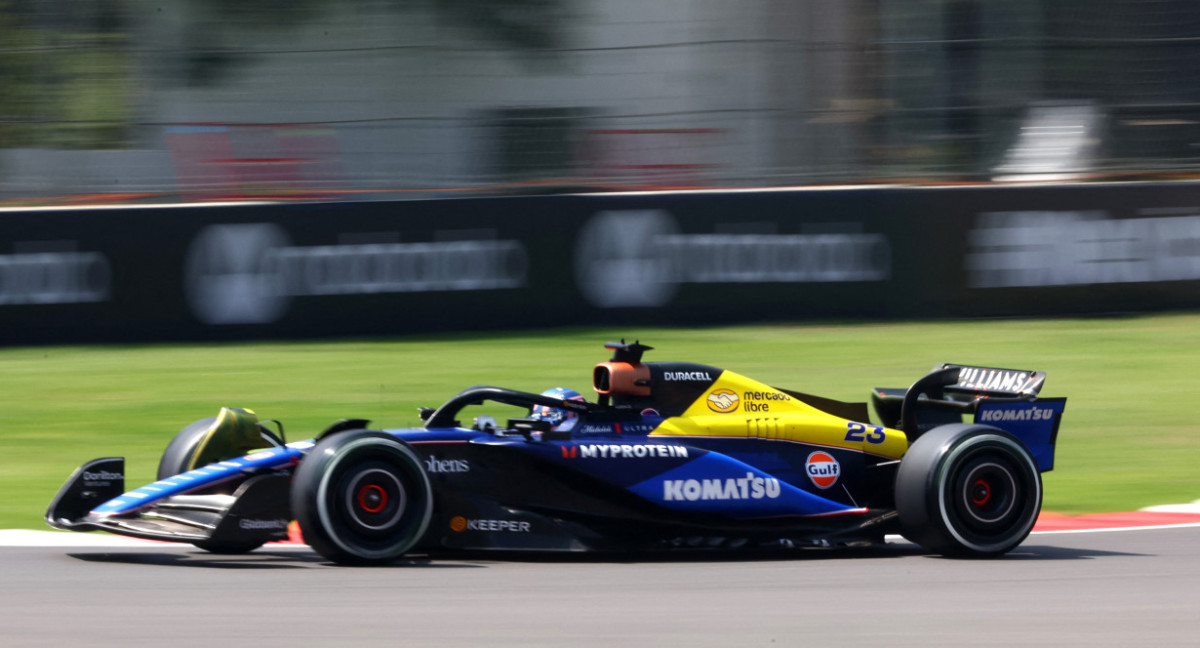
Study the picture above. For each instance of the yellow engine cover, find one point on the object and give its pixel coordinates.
(739, 407)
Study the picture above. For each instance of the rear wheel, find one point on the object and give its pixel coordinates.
(362, 498)
(968, 490)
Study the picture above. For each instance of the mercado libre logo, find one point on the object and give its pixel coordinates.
(458, 524)
(822, 469)
(723, 401)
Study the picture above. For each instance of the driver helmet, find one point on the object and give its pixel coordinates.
(556, 416)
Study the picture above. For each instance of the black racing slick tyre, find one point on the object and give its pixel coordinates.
(178, 454)
(968, 490)
(175, 460)
(361, 498)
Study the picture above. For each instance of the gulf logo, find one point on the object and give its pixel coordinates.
(822, 469)
(723, 401)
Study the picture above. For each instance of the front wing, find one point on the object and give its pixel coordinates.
(256, 511)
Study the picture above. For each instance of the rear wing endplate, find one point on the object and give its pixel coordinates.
(1004, 398)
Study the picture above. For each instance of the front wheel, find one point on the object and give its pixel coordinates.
(968, 490)
(177, 458)
(361, 498)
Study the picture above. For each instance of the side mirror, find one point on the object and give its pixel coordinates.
(485, 423)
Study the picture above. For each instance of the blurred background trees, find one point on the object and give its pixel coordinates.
(271, 97)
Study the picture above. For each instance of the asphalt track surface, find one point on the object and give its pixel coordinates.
(1112, 588)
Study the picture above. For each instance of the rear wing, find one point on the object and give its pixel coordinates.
(1007, 399)
(1003, 383)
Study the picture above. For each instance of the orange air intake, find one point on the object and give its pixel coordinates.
(621, 379)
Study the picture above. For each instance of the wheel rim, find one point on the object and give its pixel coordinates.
(991, 494)
(372, 498)
(375, 499)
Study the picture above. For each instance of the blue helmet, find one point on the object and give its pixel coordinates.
(556, 416)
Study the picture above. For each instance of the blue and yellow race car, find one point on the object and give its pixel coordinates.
(671, 456)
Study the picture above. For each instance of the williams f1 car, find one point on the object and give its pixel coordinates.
(671, 455)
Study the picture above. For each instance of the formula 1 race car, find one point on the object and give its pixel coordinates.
(671, 456)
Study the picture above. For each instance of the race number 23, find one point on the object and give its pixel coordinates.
(859, 432)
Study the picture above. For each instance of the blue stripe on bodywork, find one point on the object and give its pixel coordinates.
(209, 475)
(714, 483)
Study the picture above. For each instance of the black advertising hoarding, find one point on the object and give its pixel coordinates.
(704, 257)
(279, 271)
(1051, 250)
(265, 271)
(389, 268)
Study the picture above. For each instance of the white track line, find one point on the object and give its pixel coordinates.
(1183, 525)
(30, 538)
(1194, 507)
(33, 538)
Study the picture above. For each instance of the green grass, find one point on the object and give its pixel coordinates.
(1128, 439)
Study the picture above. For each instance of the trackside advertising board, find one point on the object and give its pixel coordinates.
(388, 268)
